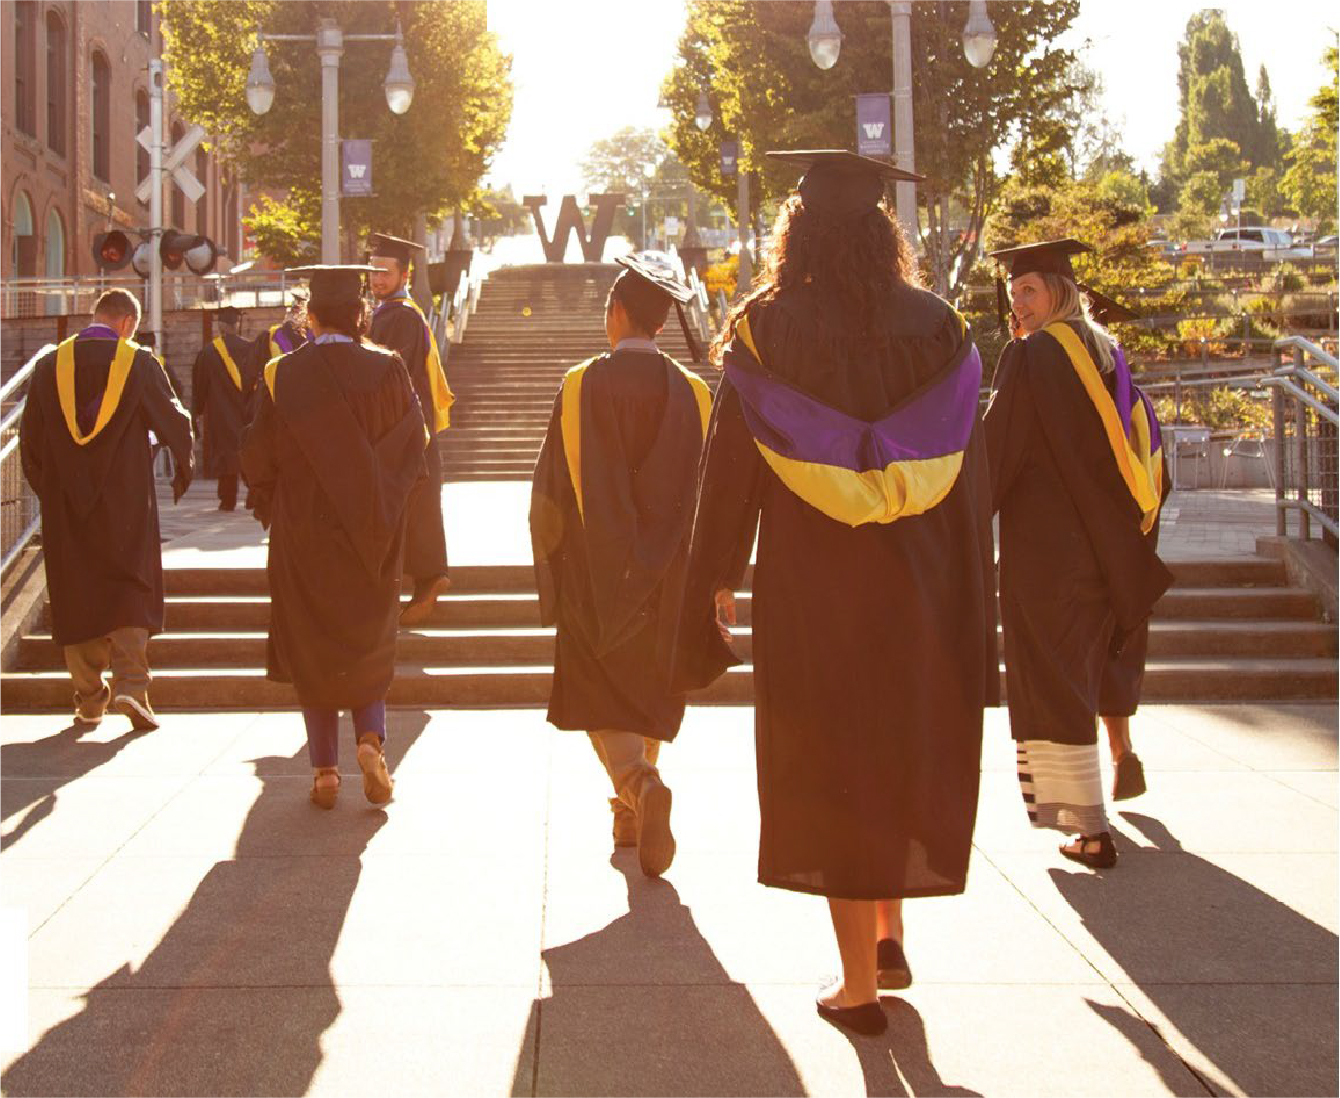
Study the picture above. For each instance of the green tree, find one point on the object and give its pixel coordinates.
(625, 162)
(752, 61)
(1214, 101)
(425, 161)
(1310, 182)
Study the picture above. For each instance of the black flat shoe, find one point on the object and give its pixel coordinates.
(1095, 851)
(894, 972)
(1129, 780)
(868, 1019)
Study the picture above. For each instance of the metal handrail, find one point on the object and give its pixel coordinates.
(1292, 382)
(14, 390)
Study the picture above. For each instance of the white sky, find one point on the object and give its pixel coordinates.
(583, 69)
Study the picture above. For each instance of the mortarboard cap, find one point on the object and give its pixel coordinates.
(1104, 309)
(842, 182)
(658, 276)
(393, 247)
(1046, 257)
(228, 314)
(333, 283)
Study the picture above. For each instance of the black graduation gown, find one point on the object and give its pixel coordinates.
(611, 577)
(220, 404)
(1077, 577)
(401, 329)
(331, 458)
(100, 537)
(1124, 675)
(874, 645)
(265, 346)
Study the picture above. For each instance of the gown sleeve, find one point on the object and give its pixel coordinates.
(259, 459)
(166, 417)
(730, 489)
(551, 502)
(1007, 424)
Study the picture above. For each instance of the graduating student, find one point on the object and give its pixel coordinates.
(222, 381)
(284, 337)
(611, 508)
(1075, 471)
(332, 455)
(846, 432)
(84, 442)
(398, 324)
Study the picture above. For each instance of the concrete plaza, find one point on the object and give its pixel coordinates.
(194, 926)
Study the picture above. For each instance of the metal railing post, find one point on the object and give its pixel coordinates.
(1301, 433)
(1277, 411)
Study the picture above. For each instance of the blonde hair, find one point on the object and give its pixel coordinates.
(1071, 305)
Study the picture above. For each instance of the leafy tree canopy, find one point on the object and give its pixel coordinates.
(1310, 183)
(426, 161)
(752, 61)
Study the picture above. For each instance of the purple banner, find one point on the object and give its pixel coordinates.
(874, 131)
(356, 168)
(730, 155)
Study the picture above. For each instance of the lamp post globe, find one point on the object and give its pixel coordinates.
(260, 84)
(399, 83)
(702, 113)
(825, 36)
(979, 36)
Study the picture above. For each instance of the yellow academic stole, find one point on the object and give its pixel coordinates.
(228, 363)
(443, 398)
(111, 396)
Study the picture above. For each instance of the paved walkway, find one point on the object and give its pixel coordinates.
(194, 926)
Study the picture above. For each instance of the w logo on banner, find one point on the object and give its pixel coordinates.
(357, 171)
(872, 125)
(356, 179)
(570, 218)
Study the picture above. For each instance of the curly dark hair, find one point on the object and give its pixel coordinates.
(853, 262)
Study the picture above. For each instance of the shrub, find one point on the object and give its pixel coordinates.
(722, 276)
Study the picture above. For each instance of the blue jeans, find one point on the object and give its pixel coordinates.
(323, 730)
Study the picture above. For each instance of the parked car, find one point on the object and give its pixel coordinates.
(1325, 246)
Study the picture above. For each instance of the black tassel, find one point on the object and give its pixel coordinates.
(695, 352)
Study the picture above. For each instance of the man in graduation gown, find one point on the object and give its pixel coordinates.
(222, 380)
(611, 510)
(332, 454)
(288, 335)
(398, 325)
(1077, 495)
(86, 451)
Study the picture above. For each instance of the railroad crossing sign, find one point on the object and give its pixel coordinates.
(174, 162)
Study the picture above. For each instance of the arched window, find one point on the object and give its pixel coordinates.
(23, 245)
(55, 258)
(178, 199)
(144, 17)
(202, 204)
(102, 117)
(142, 160)
(25, 67)
(57, 79)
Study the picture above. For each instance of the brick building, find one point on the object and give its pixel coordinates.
(76, 95)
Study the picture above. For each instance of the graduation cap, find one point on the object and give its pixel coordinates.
(333, 283)
(842, 182)
(660, 279)
(1045, 257)
(1104, 309)
(393, 247)
(228, 314)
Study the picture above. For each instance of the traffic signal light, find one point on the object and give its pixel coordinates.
(198, 253)
(111, 251)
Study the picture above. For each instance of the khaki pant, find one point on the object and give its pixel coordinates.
(125, 650)
(627, 759)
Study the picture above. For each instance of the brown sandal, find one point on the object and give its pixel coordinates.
(324, 795)
(377, 783)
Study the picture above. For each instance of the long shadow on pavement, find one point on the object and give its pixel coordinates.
(1220, 959)
(898, 1063)
(35, 772)
(643, 1006)
(235, 998)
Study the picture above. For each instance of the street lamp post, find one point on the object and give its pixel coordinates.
(979, 43)
(330, 40)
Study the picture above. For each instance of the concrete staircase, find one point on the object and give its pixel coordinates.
(1229, 630)
(531, 324)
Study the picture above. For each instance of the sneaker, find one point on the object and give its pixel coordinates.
(625, 823)
(655, 842)
(140, 712)
(88, 711)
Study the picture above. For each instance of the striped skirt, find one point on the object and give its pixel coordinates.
(1062, 786)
